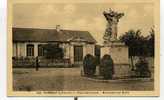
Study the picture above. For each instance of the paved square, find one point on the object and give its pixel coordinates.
(69, 79)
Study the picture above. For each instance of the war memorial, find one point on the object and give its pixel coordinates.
(113, 47)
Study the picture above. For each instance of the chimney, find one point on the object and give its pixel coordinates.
(58, 28)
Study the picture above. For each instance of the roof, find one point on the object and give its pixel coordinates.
(50, 35)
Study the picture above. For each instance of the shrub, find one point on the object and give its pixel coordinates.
(106, 67)
(89, 64)
(142, 68)
(53, 51)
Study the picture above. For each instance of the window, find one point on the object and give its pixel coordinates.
(40, 50)
(30, 50)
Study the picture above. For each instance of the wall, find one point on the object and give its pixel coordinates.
(122, 70)
(119, 54)
(14, 53)
(19, 49)
(66, 49)
(103, 51)
(89, 49)
(35, 47)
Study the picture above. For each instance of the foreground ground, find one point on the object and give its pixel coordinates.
(68, 79)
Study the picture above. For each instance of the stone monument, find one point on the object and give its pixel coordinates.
(112, 46)
(111, 30)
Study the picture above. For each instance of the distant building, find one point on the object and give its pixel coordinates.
(27, 42)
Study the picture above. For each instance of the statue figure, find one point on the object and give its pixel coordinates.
(112, 18)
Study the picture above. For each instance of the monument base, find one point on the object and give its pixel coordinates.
(119, 53)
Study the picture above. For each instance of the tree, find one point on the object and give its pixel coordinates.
(138, 44)
(150, 42)
(133, 40)
(53, 51)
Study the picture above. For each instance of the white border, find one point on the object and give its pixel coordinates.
(3, 65)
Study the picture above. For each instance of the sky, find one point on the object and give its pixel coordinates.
(84, 16)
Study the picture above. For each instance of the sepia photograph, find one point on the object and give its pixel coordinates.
(88, 48)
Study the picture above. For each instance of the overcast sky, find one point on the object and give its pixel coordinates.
(83, 16)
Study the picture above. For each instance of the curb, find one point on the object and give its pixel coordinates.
(121, 80)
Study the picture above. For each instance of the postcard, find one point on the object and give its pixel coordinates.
(83, 48)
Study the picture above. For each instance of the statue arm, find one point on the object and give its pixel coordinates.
(120, 15)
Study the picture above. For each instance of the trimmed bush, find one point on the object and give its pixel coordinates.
(142, 68)
(106, 67)
(89, 64)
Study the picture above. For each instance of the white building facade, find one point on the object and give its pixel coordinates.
(76, 45)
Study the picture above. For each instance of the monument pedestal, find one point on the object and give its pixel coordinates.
(119, 53)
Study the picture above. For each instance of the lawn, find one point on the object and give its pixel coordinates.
(68, 79)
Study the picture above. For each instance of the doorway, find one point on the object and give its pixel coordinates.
(78, 54)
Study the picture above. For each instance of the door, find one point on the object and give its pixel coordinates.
(78, 54)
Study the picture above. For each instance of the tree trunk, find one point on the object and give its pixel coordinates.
(132, 64)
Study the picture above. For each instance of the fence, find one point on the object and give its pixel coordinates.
(30, 62)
